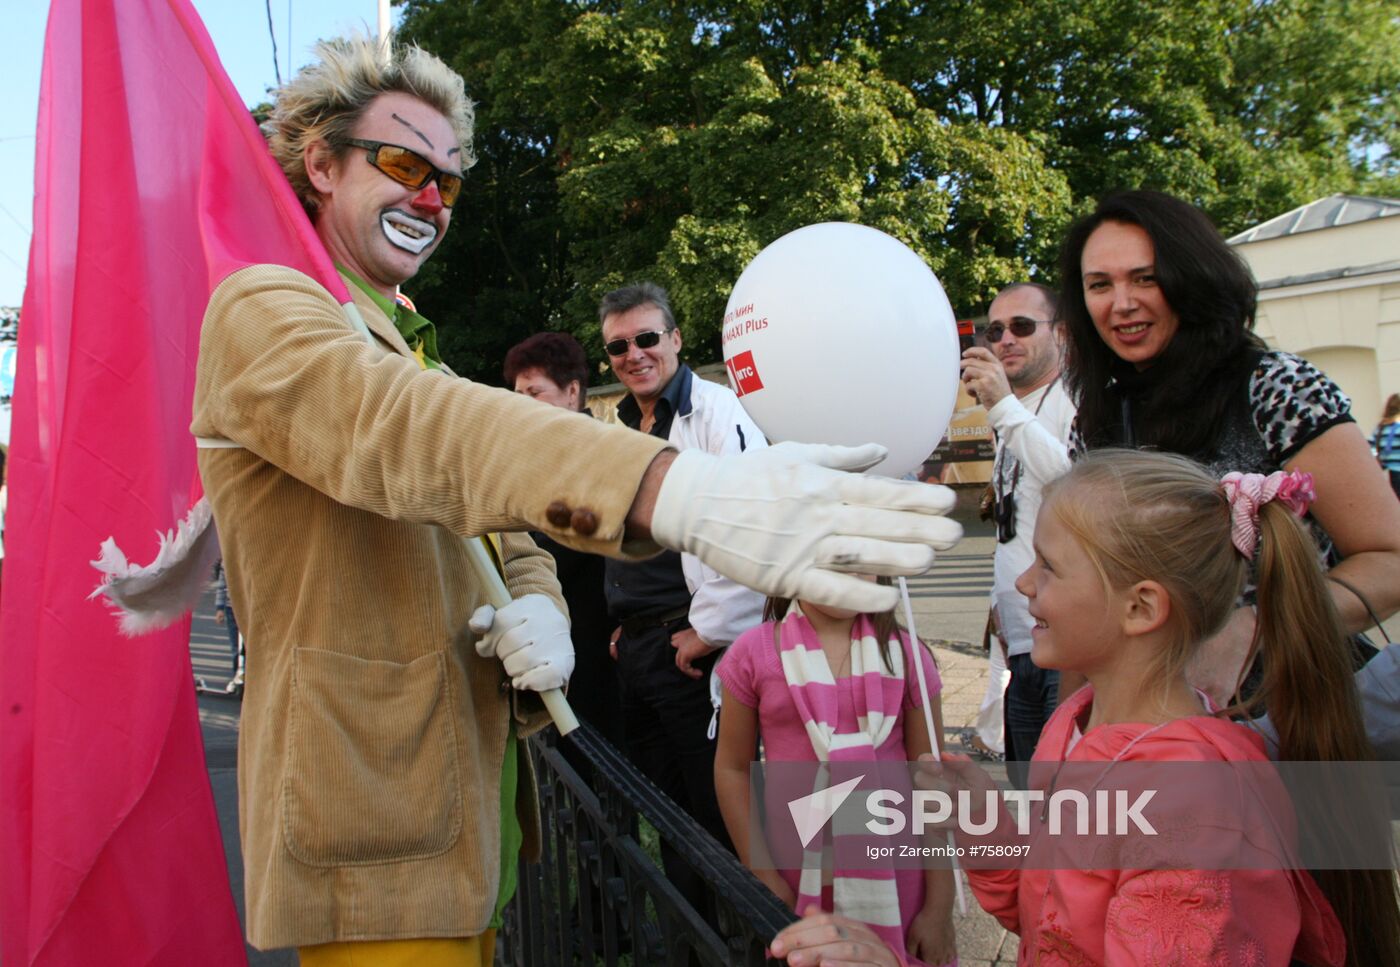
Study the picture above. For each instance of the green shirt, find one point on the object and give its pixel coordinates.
(419, 333)
(511, 834)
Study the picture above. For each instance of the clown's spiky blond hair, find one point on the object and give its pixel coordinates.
(326, 99)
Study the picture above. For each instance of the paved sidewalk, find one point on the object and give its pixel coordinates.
(950, 609)
(209, 653)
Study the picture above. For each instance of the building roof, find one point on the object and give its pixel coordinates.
(1326, 212)
(1327, 275)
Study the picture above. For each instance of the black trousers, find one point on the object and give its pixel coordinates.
(666, 717)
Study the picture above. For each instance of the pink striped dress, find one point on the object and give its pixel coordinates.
(753, 671)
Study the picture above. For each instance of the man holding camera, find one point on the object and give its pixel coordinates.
(1018, 381)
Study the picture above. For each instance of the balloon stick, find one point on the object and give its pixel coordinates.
(933, 736)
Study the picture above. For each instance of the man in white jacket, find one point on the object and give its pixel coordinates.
(1018, 381)
(675, 613)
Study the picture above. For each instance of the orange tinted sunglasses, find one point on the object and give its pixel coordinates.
(410, 169)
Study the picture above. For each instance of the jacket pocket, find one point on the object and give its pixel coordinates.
(372, 773)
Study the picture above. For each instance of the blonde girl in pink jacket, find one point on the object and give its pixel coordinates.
(1139, 558)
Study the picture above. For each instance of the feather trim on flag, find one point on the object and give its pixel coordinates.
(155, 595)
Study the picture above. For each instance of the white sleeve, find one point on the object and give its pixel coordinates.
(1041, 454)
(721, 610)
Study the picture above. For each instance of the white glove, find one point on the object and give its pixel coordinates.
(788, 521)
(531, 637)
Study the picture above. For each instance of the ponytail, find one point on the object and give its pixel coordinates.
(1310, 691)
(1308, 683)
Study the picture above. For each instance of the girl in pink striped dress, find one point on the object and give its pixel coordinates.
(822, 684)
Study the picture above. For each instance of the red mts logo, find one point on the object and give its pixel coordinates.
(743, 374)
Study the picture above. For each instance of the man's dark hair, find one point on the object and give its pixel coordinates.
(557, 354)
(1051, 297)
(630, 297)
(1210, 289)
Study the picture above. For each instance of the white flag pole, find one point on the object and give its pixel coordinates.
(383, 21)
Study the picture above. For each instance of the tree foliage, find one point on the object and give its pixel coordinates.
(671, 141)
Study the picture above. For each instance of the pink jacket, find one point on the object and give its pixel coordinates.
(1138, 917)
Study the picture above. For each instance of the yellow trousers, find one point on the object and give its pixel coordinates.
(449, 952)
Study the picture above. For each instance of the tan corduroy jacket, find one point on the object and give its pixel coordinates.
(373, 735)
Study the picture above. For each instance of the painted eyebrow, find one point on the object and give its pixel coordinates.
(415, 131)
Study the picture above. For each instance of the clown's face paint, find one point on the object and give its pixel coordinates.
(371, 224)
(408, 233)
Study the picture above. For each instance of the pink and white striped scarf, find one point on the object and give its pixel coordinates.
(869, 894)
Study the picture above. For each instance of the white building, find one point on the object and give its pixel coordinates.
(1329, 291)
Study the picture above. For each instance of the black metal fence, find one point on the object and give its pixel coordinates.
(598, 897)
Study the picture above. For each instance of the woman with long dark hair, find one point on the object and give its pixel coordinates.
(1162, 355)
(1159, 312)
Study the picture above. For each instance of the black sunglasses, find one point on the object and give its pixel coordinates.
(644, 340)
(410, 169)
(1020, 328)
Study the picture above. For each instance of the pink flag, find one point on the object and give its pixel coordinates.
(152, 184)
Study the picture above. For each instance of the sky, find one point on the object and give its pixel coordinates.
(240, 32)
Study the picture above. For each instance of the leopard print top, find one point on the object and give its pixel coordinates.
(1288, 403)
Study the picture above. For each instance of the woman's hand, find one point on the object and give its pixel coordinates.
(832, 941)
(931, 937)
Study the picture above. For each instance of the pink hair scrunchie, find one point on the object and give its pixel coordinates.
(1247, 492)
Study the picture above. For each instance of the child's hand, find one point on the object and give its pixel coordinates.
(826, 938)
(931, 937)
(955, 774)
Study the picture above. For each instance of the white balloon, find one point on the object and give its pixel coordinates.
(839, 333)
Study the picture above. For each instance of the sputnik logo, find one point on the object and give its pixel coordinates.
(811, 813)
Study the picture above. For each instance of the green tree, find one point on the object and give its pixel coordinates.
(672, 141)
(500, 273)
(1246, 107)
